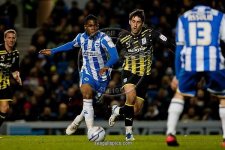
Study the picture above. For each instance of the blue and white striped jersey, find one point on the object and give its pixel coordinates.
(95, 53)
(198, 35)
(98, 51)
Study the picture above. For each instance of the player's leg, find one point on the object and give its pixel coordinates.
(114, 114)
(175, 109)
(128, 110)
(5, 98)
(133, 80)
(117, 110)
(88, 110)
(138, 105)
(186, 86)
(142, 84)
(86, 83)
(72, 128)
(216, 87)
(222, 118)
(4, 107)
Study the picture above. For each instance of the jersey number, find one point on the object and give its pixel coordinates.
(200, 33)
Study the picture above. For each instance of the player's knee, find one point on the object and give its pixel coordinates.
(87, 93)
(222, 102)
(130, 99)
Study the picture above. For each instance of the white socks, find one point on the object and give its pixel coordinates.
(88, 112)
(117, 111)
(222, 118)
(175, 109)
(128, 129)
(78, 118)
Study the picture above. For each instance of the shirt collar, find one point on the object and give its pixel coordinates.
(92, 36)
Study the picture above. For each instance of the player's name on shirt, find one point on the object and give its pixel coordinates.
(200, 17)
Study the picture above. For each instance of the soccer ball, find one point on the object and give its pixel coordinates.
(96, 134)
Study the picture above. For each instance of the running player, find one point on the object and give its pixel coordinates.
(99, 54)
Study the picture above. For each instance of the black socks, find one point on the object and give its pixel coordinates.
(128, 114)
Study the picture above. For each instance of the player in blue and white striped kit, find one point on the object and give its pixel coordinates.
(198, 54)
(99, 54)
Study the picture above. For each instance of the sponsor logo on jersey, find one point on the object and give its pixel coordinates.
(125, 80)
(13, 60)
(144, 41)
(97, 44)
(90, 53)
(86, 79)
(128, 44)
(5, 65)
(136, 50)
(162, 37)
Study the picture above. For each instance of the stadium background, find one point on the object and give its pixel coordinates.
(50, 89)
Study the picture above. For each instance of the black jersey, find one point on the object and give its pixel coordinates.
(138, 50)
(9, 62)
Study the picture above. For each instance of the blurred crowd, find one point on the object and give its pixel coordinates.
(50, 88)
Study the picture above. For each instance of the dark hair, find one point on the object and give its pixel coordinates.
(202, 2)
(90, 17)
(138, 12)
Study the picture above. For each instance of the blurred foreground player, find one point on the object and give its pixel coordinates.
(198, 54)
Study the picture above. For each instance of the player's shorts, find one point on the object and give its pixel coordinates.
(140, 82)
(6, 94)
(214, 82)
(98, 86)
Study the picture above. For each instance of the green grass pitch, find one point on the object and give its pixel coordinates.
(80, 142)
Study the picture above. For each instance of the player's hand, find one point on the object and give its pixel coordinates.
(16, 76)
(103, 70)
(174, 83)
(19, 81)
(45, 52)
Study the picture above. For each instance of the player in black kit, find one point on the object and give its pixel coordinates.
(137, 46)
(9, 66)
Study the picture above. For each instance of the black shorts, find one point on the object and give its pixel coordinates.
(141, 82)
(6, 94)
